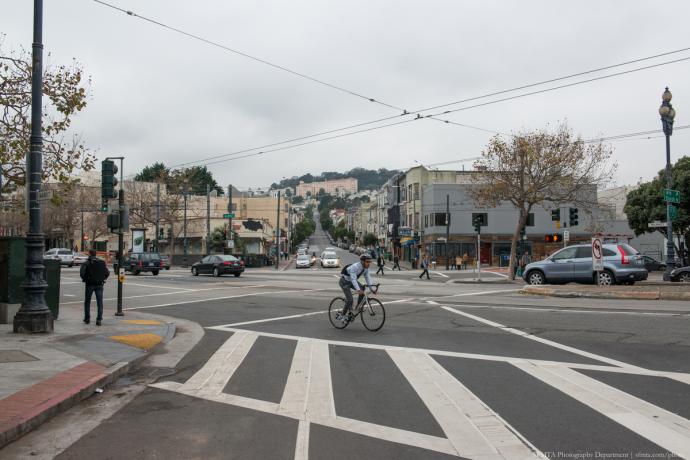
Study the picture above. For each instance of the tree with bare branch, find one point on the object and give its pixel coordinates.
(66, 89)
(540, 168)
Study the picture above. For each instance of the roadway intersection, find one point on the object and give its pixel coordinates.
(459, 370)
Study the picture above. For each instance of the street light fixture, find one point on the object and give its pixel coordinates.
(668, 114)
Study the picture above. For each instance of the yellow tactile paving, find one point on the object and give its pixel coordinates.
(143, 341)
(148, 322)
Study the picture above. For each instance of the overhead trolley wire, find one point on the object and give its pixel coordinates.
(249, 56)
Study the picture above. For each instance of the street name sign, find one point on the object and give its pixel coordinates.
(672, 196)
(228, 216)
(597, 255)
(656, 224)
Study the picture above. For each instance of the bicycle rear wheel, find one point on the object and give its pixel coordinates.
(373, 315)
(335, 313)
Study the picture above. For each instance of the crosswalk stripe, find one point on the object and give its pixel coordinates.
(473, 429)
(320, 402)
(212, 378)
(658, 425)
(302, 444)
(294, 400)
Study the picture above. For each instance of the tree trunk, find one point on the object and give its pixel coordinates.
(513, 244)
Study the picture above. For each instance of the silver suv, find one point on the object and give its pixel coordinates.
(65, 256)
(622, 265)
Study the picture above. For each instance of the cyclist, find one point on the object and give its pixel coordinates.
(348, 281)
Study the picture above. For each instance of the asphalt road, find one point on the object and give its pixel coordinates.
(458, 370)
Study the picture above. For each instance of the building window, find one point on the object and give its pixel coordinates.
(484, 216)
(440, 219)
(426, 220)
(416, 190)
(530, 220)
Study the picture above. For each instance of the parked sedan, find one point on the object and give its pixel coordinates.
(80, 258)
(65, 256)
(218, 265)
(330, 260)
(165, 262)
(652, 265)
(622, 265)
(681, 275)
(143, 262)
(303, 261)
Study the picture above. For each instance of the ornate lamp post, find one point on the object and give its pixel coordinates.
(34, 315)
(667, 115)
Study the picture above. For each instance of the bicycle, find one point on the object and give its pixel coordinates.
(370, 311)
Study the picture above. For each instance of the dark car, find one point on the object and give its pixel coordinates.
(165, 262)
(143, 262)
(653, 265)
(218, 265)
(681, 275)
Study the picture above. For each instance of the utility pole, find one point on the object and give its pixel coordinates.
(208, 219)
(184, 239)
(82, 231)
(278, 233)
(120, 243)
(230, 237)
(668, 114)
(34, 314)
(447, 232)
(158, 215)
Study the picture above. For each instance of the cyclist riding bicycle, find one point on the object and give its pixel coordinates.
(348, 281)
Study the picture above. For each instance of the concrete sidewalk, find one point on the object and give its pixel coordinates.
(42, 375)
(641, 291)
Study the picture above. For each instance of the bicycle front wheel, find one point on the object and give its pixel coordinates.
(335, 313)
(373, 315)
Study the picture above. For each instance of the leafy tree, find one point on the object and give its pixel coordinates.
(540, 168)
(369, 239)
(297, 199)
(194, 179)
(157, 172)
(65, 88)
(646, 203)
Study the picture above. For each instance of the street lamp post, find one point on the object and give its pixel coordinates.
(668, 113)
(34, 314)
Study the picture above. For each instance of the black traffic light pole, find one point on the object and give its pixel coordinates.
(34, 314)
(120, 237)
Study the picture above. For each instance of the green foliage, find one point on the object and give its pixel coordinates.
(369, 239)
(66, 93)
(646, 203)
(194, 179)
(218, 240)
(303, 230)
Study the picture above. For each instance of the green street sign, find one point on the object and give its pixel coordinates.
(671, 196)
(673, 212)
(228, 216)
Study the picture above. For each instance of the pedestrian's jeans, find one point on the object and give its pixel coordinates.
(90, 289)
(347, 288)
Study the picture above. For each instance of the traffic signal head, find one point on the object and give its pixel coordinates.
(113, 221)
(555, 214)
(553, 238)
(573, 217)
(477, 223)
(160, 233)
(108, 180)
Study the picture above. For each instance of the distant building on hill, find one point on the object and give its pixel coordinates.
(336, 187)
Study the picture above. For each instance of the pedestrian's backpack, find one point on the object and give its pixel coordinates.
(345, 269)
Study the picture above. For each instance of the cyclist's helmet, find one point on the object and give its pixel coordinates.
(365, 256)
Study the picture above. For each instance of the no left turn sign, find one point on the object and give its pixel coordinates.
(597, 254)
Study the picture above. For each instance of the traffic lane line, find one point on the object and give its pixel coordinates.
(186, 291)
(551, 309)
(466, 294)
(551, 343)
(224, 298)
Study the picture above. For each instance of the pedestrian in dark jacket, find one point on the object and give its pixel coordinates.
(396, 263)
(425, 268)
(380, 262)
(93, 273)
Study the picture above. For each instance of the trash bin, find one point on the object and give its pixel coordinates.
(12, 271)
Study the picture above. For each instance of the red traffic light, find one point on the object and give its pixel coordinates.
(553, 238)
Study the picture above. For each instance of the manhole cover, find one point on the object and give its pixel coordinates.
(15, 356)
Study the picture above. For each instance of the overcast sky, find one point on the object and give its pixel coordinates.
(160, 96)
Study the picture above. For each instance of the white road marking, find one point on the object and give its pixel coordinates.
(570, 310)
(224, 326)
(302, 444)
(212, 378)
(472, 428)
(69, 295)
(223, 298)
(658, 425)
(295, 395)
(527, 335)
(320, 401)
(466, 294)
(439, 273)
(186, 291)
(155, 286)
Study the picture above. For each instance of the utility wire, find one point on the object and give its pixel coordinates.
(249, 56)
(432, 116)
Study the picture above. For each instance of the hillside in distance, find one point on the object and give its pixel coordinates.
(368, 179)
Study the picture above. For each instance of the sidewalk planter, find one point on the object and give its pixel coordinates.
(12, 263)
